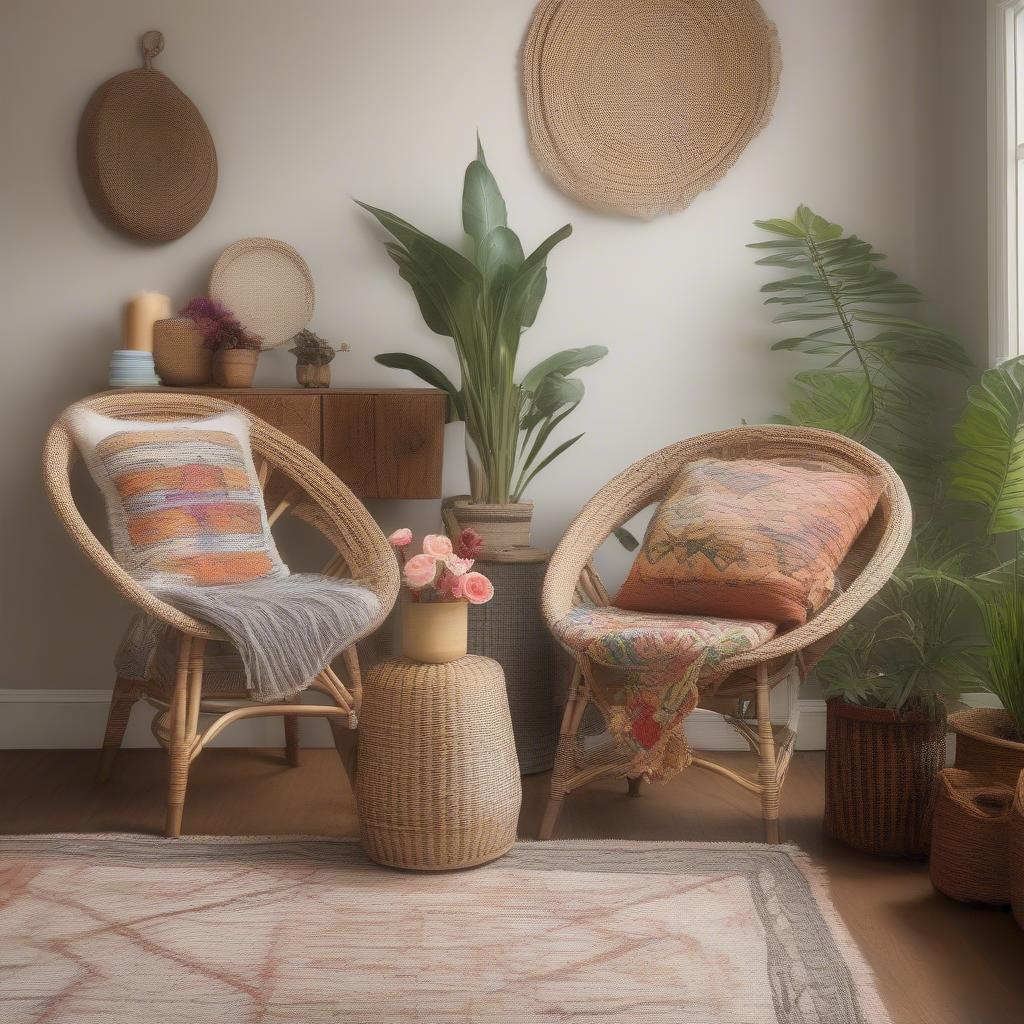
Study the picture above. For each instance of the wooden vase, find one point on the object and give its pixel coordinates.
(235, 367)
(435, 632)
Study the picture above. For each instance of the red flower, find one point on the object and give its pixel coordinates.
(646, 730)
(470, 543)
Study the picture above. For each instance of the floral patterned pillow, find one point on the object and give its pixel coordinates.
(750, 539)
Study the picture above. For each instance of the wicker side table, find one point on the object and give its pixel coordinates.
(511, 629)
(438, 782)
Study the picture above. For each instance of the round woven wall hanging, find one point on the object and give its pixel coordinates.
(637, 106)
(145, 155)
(267, 285)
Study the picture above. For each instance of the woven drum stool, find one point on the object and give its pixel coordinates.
(438, 782)
(511, 630)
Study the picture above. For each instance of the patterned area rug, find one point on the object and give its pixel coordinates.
(136, 929)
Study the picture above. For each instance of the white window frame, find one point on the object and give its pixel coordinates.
(1006, 248)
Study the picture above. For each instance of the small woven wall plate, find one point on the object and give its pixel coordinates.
(145, 156)
(637, 106)
(267, 285)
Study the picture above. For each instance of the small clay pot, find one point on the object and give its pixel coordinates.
(235, 367)
(310, 376)
(435, 632)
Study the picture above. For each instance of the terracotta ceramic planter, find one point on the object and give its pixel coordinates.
(501, 526)
(880, 777)
(235, 367)
(180, 358)
(984, 746)
(310, 376)
(435, 632)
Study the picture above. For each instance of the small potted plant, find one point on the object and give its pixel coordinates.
(235, 350)
(439, 588)
(313, 359)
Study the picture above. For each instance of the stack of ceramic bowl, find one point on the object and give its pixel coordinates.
(132, 368)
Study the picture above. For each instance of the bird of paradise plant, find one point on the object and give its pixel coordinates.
(484, 301)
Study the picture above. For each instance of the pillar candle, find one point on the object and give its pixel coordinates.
(140, 313)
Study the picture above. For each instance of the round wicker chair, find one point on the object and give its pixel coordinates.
(571, 579)
(309, 491)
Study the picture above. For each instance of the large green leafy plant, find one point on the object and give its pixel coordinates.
(909, 646)
(483, 301)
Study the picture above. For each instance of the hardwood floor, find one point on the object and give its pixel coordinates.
(938, 962)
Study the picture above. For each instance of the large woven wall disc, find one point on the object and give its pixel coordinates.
(637, 106)
(145, 156)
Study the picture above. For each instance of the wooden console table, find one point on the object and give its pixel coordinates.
(382, 442)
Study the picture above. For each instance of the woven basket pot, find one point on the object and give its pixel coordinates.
(310, 376)
(235, 367)
(1017, 854)
(970, 854)
(880, 772)
(501, 526)
(438, 784)
(984, 746)
(178, 353)
(436, 632)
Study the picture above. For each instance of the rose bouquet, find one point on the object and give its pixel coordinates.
(443, 571)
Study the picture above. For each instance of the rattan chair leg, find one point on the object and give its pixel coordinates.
(565, 754)
(355, 677)
(291, 736)
(123, 699)
(345, 742)
(179, 744)
(767, 765)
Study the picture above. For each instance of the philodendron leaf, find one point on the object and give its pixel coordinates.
(483, 208)
(430, 374)
(499, 256)
(990, 469)
(565, 362)
(520, 299)
(555, 391)
(626, 539)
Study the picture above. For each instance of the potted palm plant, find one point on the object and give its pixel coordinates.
(484, 301)
(989, 472)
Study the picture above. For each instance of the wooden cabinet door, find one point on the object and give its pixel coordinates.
(386, 445)
(296, 415)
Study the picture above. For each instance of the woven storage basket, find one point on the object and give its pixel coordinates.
(880, 773)
(970, 855)
(178, 353)
(438, 784)
(511, 630)
(637, 106)
(1017, 854)
(983, 746)
(145, 156)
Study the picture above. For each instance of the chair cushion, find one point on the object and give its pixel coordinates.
(665, 659)
(183, 500)
(750, 539)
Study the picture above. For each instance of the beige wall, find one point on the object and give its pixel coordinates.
(879, 125)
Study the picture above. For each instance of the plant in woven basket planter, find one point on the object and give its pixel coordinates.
(891, 672)
(235, 350)
(313, 358)
(439, 587)
(483, 302)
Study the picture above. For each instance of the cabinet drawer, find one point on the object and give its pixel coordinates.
(296, 415)
(386, 445)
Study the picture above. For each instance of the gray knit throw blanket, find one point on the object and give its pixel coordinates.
(286, 629)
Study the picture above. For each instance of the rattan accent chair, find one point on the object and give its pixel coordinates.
(571, 580)
(313, 494)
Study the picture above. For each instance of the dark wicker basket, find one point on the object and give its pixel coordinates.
(880, 771)
(1017, 854)
(985, 745)
(970, 856)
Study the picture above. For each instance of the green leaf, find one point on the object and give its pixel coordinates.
(483, 208)
(565, 362)
(990, 468)
(781, 227)
(430, 374)
(546, 461)
(500, 255)
(626, 539)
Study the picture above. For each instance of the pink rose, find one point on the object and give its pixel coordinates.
(470, 543)
(449, 586)
(458, 566)
(401, 538)
(437, 544)
(476, 588)
(420, 571)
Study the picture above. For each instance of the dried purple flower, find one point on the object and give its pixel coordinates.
(218, 325)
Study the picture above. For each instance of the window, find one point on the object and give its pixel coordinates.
(1006, 193)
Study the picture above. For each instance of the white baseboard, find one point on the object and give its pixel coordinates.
(75, 719)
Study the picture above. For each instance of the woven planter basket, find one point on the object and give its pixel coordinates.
(880, 772)
(179, 355)
(511, 630)
(984, 747)
(438, 784)
(970, 855)
(1017, 854)
(502, 527)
